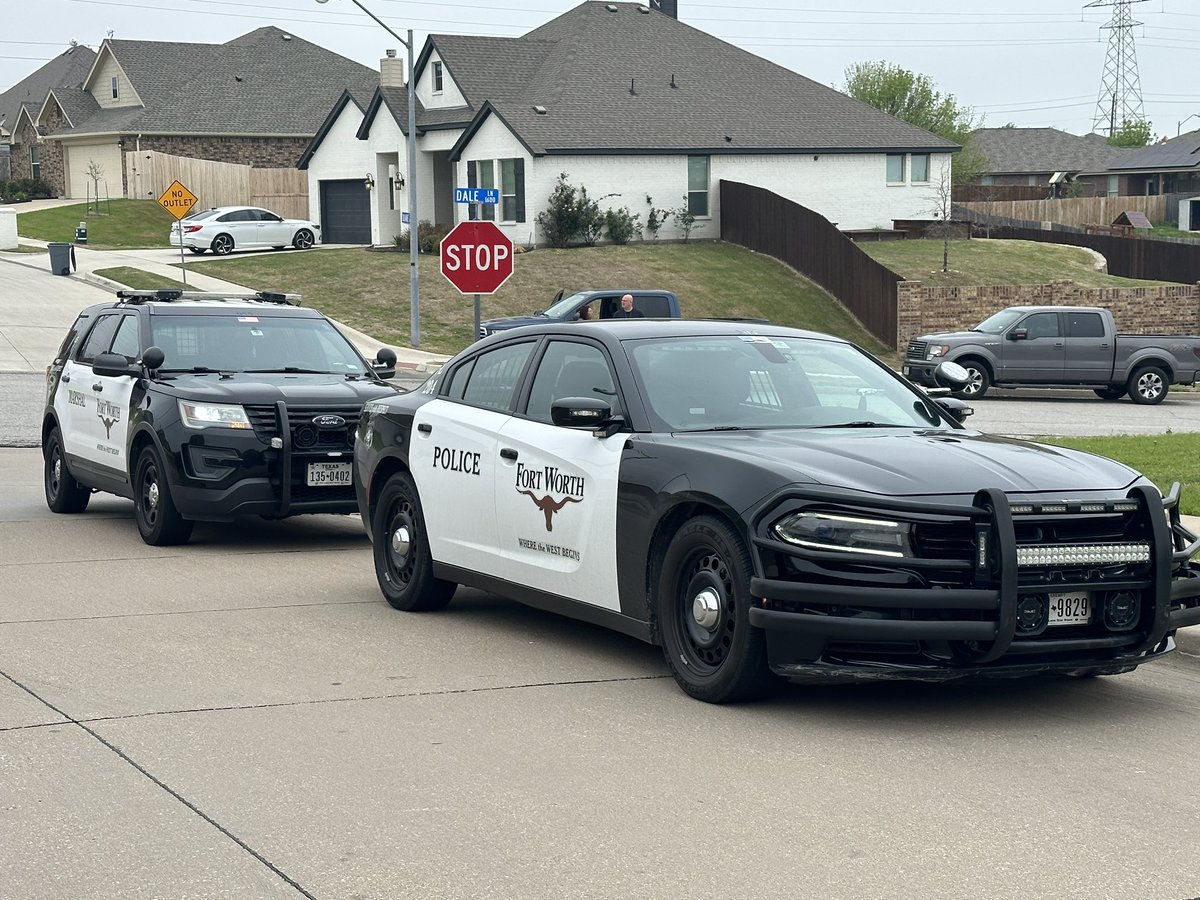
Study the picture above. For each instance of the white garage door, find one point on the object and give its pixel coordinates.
(107, 157)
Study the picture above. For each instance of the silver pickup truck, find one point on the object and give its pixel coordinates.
(1058, 346)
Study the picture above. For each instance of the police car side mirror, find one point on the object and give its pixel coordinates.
(954, 408)
(153, 358)
(113, 365)
(385, 363)
(580, 412)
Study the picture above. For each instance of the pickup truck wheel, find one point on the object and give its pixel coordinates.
(1148, 385)
(703, 603)
(1110, 393)
(978, 381)
(403, 564)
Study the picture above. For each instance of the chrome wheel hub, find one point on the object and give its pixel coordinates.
(152, 495)
(706, 609)
(401, 542)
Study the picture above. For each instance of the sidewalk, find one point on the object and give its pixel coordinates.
(164, 262)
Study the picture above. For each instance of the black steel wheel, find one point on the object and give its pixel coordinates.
(63, 493)
(703, 604)
(1110, 393)
(303, 239)
(158, 520)
(403, 564)
(978, 380)
(1148, 385)
(222, 245)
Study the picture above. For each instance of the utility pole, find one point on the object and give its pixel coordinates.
(1120, 97)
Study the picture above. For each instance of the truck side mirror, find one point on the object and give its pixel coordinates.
(1018, 334)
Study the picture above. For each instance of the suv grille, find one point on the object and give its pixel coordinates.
(306, 434)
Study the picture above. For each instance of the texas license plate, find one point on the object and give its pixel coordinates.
(323, 474)
(1070, 609)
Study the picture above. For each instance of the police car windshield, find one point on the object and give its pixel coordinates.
(253, 342)
(735, 382)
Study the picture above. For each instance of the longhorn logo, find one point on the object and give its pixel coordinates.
(108, 424)
(549, 506)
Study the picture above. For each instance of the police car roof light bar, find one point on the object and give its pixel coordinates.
(167, 296)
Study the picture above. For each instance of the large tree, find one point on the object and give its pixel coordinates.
(913, 98)
(1131, 133)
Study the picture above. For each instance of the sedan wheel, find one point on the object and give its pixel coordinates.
(303, 239)
(197, 250)
(403, 564)
(222, 245)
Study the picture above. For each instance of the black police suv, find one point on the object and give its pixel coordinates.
(764, 501)
(206, 407)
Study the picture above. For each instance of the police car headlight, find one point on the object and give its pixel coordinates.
(832, 532)
(212, 415)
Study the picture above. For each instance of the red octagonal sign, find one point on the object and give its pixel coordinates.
(476, 257)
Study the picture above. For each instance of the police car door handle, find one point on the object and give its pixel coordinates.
(97, 386)
(506, 453)
(425, 428)
(65, 378)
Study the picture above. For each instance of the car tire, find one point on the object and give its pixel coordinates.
(403, 563)
(197, 250)
(1148, 385)
(703, 610)
(222, 245)
(1110, 393)
(280, 247)
(978, 383)
(63, 493)
(303, 239)
(158, 519)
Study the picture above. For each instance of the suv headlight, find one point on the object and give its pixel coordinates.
(846, 534)
(212, 415)
(936, 350)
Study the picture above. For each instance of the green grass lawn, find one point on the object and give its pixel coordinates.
(140, 280)
(122, 224)
(1164, 459)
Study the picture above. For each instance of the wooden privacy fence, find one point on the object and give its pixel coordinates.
(1077, 211)
(978, 193)
(283, 191)
(1143, 258)
(767, 223)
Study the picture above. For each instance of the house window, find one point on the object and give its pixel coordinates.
(510, 173)
(1031, 180)
(895, 168)
(987, 179)
(437, 77)
(920, 168)
(697, 196)
(116, 91)
(508, 190)
(35, 162)
(1114, 187)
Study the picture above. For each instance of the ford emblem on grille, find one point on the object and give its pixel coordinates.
(328, 421)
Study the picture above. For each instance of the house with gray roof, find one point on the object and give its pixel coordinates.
(257, 99)
(1170, 167)
(1032, 156)
(21, 157)
(627, 101)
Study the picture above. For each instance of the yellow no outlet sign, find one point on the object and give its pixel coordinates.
(177, 200)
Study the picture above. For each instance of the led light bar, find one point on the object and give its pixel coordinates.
(1089, 554)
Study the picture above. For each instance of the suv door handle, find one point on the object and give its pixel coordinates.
(506, 453)
(65, 378)
(97, 386)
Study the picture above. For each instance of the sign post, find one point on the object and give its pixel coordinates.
(476, 258)
(178, 201)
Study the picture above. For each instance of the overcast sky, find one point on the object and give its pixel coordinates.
(1028, 62)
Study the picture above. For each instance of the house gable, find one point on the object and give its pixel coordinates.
(107, 71)
(449, 95)
(335, 114)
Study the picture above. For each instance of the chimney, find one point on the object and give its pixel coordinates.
(391, 71)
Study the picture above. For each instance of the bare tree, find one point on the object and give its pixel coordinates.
(95, 171)
(943, 212)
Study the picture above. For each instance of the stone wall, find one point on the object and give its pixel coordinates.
(53, 171)
(1169, 309)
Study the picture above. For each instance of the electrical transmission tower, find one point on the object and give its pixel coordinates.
(1120, 97)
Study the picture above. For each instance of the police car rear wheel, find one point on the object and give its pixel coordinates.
(158, 521)
(403, 564)
(703, 612)
(63, 493)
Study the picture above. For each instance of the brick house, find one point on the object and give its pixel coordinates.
(257, 99)
(1032, 156)
(625, 100)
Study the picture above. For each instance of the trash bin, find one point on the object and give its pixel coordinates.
(62, 258)
(81, 233)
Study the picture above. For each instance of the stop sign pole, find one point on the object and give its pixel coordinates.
(477, 258)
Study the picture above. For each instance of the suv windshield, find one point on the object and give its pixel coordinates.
(254, 342)
(753, 381)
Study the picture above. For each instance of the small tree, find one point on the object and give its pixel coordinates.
(686, 218)
(591, 219)
(95, 172)
(943, 212)
(559, 221)
(622, 225)
(656, 218)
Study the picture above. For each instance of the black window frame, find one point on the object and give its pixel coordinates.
(1075, 318)
(438, 77)
(463, 396)
(82, 354)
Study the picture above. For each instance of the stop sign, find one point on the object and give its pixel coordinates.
(476, 257)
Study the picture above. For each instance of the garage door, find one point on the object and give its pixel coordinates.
(345, 212)
(107, 157)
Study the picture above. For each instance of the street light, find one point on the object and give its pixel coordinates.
(413, 285)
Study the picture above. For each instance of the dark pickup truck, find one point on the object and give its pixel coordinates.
(1058, 346)
(653, 304)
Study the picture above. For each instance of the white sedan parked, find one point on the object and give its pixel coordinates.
(224, 229)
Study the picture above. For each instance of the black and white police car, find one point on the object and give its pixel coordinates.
(205, 407)
(762, 500)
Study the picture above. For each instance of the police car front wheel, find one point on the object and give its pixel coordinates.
(403, 564)
(158, 520)
(63, 493)
(703, 607)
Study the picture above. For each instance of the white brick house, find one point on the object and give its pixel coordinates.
(576, 96)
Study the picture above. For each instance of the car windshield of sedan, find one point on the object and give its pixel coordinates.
(734, 382)
(253, 343)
